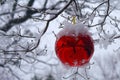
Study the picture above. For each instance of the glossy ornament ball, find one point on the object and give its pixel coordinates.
(74, 46)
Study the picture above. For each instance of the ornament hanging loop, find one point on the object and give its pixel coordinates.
(74, 20)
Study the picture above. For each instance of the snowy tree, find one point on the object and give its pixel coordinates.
(28, 30)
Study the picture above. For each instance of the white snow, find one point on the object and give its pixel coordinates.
(73, 29)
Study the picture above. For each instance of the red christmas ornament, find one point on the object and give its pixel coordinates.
(74, 46)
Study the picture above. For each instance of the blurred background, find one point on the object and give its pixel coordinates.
(28, 30)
